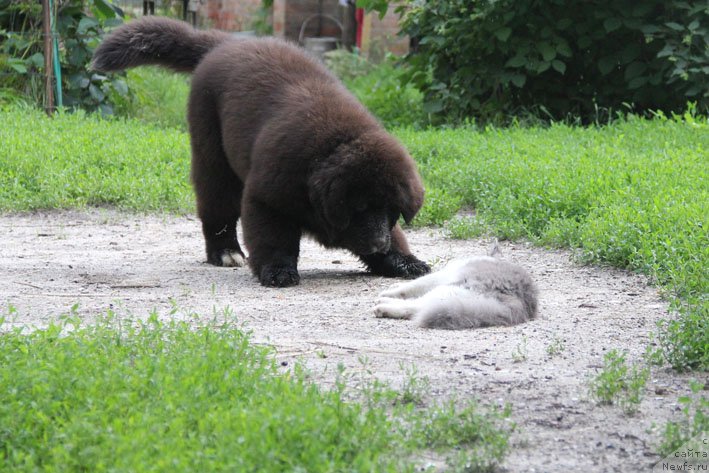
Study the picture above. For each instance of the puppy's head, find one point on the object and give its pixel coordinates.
(362, 189)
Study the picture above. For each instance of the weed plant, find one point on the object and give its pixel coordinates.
(619, 383)
(556, 347)
(171, 397)
(693, 422)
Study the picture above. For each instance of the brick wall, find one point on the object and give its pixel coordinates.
(229, 15)
(288, 17)
(383, 36)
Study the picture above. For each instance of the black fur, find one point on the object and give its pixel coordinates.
(279, 142)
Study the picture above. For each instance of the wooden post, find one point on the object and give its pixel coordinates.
(349, 25)
(48, 86)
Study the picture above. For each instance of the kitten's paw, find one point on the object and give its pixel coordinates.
(391, 310)
(397, 291)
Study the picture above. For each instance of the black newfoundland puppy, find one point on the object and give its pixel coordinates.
(280, 143)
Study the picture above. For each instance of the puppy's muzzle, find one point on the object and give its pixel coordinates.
(380, 244)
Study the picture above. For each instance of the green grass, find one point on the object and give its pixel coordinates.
(158, 96)
(74, 160)
(171, 397)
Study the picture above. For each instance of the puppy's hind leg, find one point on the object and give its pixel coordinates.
(218, 190)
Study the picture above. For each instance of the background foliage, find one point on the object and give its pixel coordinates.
(557, 58)
(80, 25)
(380, 88)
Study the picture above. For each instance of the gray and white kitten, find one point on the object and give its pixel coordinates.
(474, 292)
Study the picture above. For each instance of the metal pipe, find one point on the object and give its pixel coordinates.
(55, 50)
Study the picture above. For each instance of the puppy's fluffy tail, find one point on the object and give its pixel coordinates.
(157, 41)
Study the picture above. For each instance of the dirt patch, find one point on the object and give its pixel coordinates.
(105, 259)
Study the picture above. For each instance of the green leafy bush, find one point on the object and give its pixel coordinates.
(380, 88)
(21, 58)
(80, 25)
(491, 59)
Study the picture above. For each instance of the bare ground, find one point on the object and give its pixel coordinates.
(105, 259)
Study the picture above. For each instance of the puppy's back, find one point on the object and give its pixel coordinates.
(263, 94)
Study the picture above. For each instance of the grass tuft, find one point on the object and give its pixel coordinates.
(694, 420)
(166, 396)
(619, 383)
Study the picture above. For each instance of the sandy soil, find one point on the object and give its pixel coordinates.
(105, 259)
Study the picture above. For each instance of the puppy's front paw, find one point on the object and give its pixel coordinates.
(279, 276)
(414, 267)
(395, 265)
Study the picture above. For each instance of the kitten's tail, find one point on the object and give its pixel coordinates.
(157, 41)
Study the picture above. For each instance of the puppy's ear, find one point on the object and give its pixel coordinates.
(411, 197)
(335, 207)
(328, 194)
